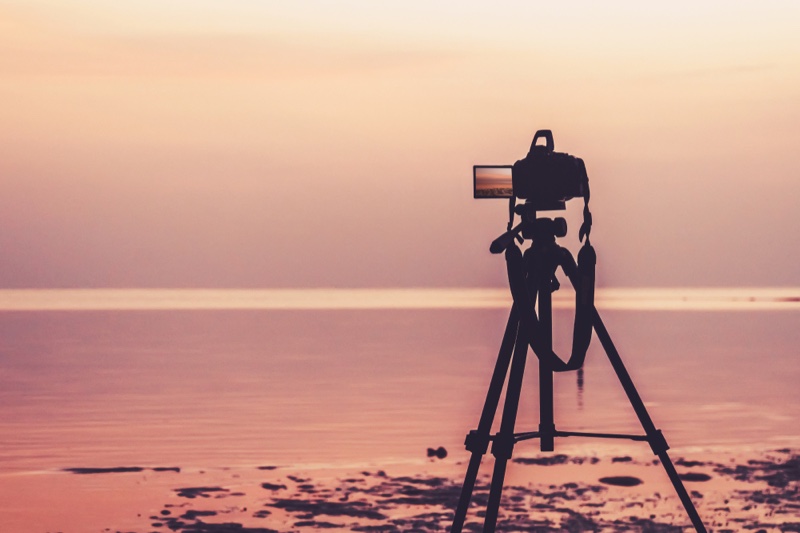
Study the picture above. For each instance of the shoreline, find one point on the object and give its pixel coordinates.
(554, 492)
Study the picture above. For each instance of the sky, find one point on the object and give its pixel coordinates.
(330, 144)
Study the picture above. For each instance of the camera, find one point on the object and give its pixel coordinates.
(544, 178)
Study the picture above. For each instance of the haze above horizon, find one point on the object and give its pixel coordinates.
(250, 144)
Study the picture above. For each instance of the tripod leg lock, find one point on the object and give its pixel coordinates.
(503, 446)
(657, 441)
(476, 442)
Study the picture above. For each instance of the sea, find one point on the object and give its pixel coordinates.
(322, 378)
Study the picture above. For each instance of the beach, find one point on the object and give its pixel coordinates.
(553, 492)
(294, 420)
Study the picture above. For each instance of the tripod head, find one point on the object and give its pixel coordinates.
(530, 227)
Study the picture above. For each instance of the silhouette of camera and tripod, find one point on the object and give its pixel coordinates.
(546, 180)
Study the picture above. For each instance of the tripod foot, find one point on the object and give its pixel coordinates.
(697, 522)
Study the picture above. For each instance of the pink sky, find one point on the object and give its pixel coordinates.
(249, 144)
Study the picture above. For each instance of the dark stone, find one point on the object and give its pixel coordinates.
(201, 492)
(112, 470)
(621, 481)
(320, 507)
(439, 453)
(694, 476)
(549, 460)
(273, 486)
(192, 514)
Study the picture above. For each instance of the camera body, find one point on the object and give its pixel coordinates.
(547, 178)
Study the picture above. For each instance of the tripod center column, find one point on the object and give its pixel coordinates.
(547, 427)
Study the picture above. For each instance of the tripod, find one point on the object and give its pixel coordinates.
(532, 275)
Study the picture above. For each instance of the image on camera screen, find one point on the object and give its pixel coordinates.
(492, 181)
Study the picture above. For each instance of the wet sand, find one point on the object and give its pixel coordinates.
(552, 492)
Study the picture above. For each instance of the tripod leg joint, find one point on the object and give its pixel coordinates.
(503, 446)
(657, 441)
(476, 442)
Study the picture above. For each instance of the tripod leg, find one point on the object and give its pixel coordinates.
(503, 443)
(654, 436)
(478, 440)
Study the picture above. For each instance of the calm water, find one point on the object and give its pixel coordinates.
(213, 382)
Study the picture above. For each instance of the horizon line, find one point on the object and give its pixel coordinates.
(609, 298)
